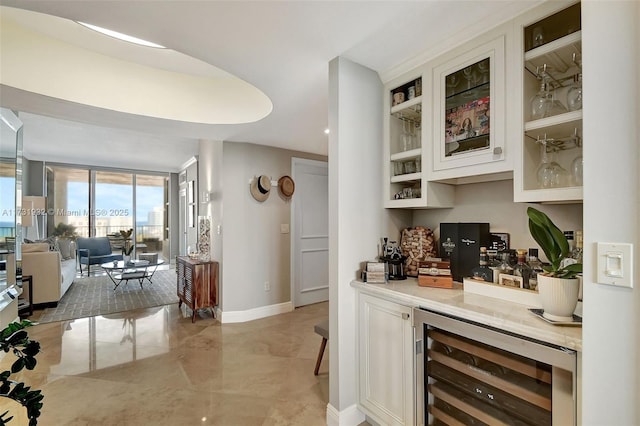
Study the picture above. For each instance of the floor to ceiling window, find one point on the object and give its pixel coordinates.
(150, 208)
(104, 202)
(8, 194)
(113, 202)
(68, 201)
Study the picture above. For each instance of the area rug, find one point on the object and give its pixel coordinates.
(95, 296)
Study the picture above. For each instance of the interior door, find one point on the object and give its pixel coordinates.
(310, 232)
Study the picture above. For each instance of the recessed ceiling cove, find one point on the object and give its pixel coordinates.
(62, 59)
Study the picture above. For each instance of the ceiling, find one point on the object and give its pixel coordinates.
(281, 48)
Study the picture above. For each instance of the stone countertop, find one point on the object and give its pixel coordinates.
(501, 314)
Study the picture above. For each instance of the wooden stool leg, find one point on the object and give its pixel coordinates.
(322, 346)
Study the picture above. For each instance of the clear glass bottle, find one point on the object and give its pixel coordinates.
(536, 268)
(522, 269)
(574, 94)
(494, 264)
(482, 271)
(505, 265)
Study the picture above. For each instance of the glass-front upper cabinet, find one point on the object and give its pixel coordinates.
(468, 111)
(551, 49)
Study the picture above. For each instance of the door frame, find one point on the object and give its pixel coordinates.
(297, 161)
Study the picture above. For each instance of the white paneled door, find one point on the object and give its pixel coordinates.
(310, 232)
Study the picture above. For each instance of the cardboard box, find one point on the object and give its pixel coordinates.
(460, 244)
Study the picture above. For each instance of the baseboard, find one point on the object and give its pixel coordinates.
(350, 416)
(255, 313)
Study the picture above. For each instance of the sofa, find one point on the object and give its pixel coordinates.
(52, 275)
(94, 251)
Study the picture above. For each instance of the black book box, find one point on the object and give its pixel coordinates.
(460, 243)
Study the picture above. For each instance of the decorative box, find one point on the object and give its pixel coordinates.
(460, 243)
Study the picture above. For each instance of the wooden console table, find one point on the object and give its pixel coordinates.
(197, 284)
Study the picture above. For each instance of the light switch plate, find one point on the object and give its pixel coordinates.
(284, 228)
(615, 264)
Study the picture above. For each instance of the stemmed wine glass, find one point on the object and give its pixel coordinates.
(452, 81)
(407, 137)
(483, 67)
(469, 75)
(550, 174)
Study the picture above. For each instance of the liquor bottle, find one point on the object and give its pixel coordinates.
(482, 271)
(494, 264)
(522, 269)
(569, 236)
(576, 253)
(572, 246)
(536, 268)
(505, 265)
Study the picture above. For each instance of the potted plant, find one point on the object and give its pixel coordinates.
(558, 285)
(66, 234)
(65, 230)
(15, 339)
(127, 247)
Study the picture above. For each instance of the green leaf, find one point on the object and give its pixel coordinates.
(18, 365)
(30, 362)
(32, 348)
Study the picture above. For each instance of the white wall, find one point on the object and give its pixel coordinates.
(355, 216)
(492, 202)
(254, 249)
(611, 330)
(210, 181)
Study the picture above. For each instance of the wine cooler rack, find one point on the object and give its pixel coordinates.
(469, 374)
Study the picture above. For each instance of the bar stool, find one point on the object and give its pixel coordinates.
(322, 329)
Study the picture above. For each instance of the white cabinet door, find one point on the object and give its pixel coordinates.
(469, 111)
(386, 379)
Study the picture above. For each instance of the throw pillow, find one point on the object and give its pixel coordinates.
(53, 243)
(35, 247)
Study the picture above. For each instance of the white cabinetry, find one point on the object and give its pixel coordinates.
(468, 127)
(406, 184)
(386, 378)
(549, 53)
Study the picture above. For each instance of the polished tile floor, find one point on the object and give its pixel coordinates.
(155, 367)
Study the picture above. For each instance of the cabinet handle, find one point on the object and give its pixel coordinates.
(478, 391)
(405, 316)
(490, 395)
(497, 150)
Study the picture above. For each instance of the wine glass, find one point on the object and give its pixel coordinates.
(550, 174)
(541, 102)
(407, 138)
(576, 171)
(452, 81)
(483, 68)
(469, 75)
(574, 94)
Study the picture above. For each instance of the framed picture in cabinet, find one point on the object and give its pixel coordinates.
(469, 107)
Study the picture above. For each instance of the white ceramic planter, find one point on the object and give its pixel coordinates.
(558, 296)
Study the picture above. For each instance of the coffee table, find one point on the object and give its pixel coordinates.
(133, 270)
